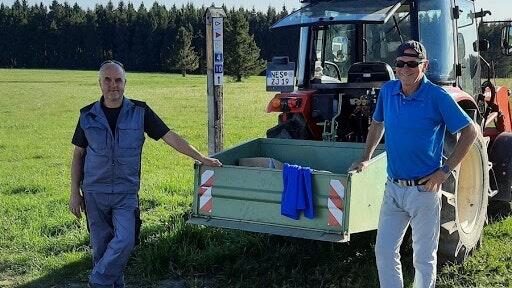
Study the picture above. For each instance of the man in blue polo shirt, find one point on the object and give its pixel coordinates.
(105, 171)
(413, 114)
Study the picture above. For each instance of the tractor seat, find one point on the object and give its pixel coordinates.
(370, 72)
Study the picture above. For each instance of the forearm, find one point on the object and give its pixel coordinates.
(76, 170)
(375, 132)
(466, 139)
(182, 146)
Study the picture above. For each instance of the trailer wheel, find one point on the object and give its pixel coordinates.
(501, 157)
(464, 202)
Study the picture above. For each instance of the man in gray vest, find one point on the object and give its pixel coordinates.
(106, 168)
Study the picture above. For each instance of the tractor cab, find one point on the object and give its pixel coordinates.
(347, 51)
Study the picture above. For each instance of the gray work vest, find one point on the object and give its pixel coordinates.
(112, 164)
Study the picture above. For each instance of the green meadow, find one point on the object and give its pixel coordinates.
(43, 245)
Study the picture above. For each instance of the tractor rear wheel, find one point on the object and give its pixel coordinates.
(464, 202)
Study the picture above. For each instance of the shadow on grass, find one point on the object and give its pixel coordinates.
(71, 275)
(75, 274)
(228, 258)
(208, 257)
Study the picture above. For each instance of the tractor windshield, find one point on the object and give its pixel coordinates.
(435, 32)
(382, 40)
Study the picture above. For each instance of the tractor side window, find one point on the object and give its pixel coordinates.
(467, 57)
(318, 59)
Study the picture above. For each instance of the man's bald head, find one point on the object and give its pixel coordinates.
(111, 64)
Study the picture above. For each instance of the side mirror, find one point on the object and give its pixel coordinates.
(506, 40)
(481, 45)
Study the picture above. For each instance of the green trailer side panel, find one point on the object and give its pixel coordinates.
(253, 195)
(249, 198)
(365, 197)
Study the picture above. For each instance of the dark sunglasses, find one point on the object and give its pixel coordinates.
(112, 62)
(411, 64)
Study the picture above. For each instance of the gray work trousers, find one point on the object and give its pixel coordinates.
(403, 205)
(111, 221)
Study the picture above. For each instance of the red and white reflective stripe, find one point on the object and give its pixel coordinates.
(207, 178)
(205, 191)
(335, 203)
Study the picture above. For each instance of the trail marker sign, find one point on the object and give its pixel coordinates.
(215, 72)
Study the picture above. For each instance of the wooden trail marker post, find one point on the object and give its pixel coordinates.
(215, 77)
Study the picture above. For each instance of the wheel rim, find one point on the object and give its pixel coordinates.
(469, 197)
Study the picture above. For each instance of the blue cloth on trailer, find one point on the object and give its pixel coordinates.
(297, 193)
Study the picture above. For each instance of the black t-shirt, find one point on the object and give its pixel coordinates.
(153, 125)
(112, 114)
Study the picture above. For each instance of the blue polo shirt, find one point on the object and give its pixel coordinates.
(415, 126)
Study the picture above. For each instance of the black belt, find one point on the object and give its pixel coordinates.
(401, 182)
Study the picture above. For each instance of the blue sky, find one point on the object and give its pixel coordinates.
(501, 9)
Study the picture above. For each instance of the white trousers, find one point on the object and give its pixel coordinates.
(403, 206)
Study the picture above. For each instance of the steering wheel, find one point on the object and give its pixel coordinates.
(328, 65)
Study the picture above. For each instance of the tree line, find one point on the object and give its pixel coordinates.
(155, 39)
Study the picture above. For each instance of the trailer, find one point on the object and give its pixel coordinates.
(249, 198)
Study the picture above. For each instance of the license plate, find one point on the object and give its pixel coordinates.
(280, 78)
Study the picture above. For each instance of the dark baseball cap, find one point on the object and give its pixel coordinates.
(419, 49)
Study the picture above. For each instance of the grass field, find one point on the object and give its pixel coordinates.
(42, 245)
